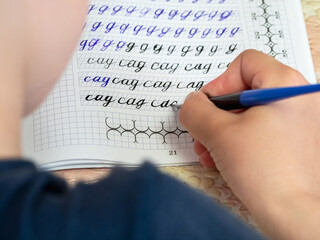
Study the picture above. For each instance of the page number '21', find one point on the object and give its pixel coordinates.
(173, 152)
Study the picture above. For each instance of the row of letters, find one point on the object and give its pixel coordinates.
(164, 31)
(156, 49)
(106, 100)
(166, 67)
(161, 13)
(133, 84)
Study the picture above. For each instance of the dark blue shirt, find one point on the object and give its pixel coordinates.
(129, 204)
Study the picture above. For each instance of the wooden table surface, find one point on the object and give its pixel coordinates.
(197, 176)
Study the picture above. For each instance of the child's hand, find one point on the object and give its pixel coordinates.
(267, 154)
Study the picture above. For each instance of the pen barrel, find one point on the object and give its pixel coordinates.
(228, 102)
(257, 97)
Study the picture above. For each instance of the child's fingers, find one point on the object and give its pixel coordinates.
(198, 148)
(206, 160)
(252, 70)
(204, 156)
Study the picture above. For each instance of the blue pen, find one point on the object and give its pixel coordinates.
(250, 98)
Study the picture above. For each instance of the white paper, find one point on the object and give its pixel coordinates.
(136, 58)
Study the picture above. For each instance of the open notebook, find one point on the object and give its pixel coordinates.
(136, 58)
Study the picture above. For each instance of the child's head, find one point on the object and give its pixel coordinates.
(52, 31)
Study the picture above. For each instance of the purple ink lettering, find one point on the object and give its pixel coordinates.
(102, 9)
(110, 26)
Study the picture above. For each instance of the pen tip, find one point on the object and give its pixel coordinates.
(176, 108)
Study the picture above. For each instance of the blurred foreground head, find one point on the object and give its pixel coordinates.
(39, 39)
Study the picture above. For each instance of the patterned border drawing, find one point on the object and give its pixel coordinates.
(135, 131)
(269, 34)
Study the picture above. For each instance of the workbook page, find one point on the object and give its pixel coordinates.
(135, 59)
